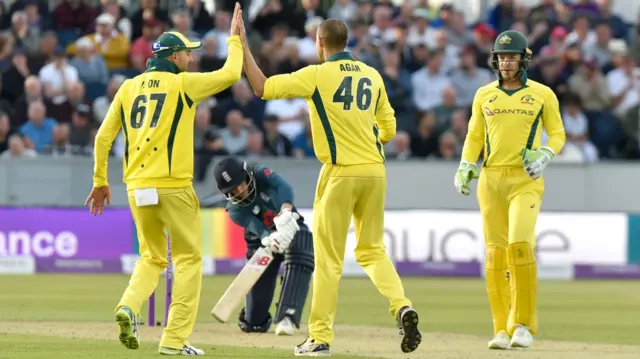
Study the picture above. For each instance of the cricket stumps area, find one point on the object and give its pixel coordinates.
(167, 299)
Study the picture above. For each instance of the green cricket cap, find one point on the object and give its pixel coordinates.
(172, 42)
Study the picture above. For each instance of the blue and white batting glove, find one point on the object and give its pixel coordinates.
(534, 162)
(464, 175)
(276, 242)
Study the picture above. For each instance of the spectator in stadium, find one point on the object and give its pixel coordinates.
(459, 126)
(303, 143)
(458, 33)
(550, 73)
(501, 16)
(25, 37)
(556, 45)
(13, 78)
(468, 78)
(209, 60)
(32, 93)
(590, 85)
(221, 32)
(450, 53)
(274, 50)
(397, 82)
(123, 24)
(60, 146)
(92, 70)
(307, 46)
(112, 45)
(292, 62)
(586, 7)
(599, 50)
(101, 104)
(245, 101)
(345, 10)
(182, 23)
(448, 147)
(400, 148)
(56, 77)
(74, 15)
(17, 149)
(82, 130)
(213, 147)
(358, 38)
(424, 141)
(76, 95)
(484, 36)
(255, 144)
(582, 33)
(148, 10)
(576, 126)
(141, 48)
(448, 106)
(234, 136)
(202, 125)
(37, 22)
(5, 131)
(429, 83)
(48, 48)
(201, 18)
(624, 86)
(276, 143)
(6, 108)
(382, 28)
(292, 114)
(308, 10)
(371, 53)
(619, 28)
(39, 129)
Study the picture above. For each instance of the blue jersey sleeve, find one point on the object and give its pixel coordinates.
(264, 175)
(245, 219)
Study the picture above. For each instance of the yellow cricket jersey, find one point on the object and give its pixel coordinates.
(351, 117)
(156, 112)
(504, 122)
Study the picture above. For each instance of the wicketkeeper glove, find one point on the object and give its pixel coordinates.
(534, 162)
(465, 174)
(276, 242)
(286, 223)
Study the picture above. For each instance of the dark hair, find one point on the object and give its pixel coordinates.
(271, 118)
(572, 99)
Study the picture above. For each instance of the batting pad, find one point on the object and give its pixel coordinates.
(497, 286)
(523, 273)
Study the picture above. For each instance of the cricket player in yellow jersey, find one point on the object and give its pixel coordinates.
(351, 120)
(507, 120)
(156, 111)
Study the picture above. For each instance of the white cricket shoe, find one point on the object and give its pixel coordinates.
(500, 341)
(187, 349)
(522, 337)
(285, 327)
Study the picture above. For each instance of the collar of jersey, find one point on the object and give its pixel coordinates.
(158, 64)
(523, 78)
(344, 55)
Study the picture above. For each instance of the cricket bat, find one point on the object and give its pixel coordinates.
(242, 285)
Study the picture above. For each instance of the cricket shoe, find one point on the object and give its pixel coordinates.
(128, 331)
(187, 349)
(285, 327)
(500, 341)
(522, 337)
(408, 325)
(309, 348)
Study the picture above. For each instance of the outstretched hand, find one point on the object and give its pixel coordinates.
(97, 198)
(237, 23)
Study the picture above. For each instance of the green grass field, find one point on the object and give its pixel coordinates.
(71, 316)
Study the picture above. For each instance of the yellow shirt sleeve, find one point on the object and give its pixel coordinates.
(474, 142)
(385, 117)
(552, 122)
(301, 83)
(107, 132)
(200, 85)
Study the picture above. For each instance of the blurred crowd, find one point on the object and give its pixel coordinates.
(62, 66)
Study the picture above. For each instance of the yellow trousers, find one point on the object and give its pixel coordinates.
(344, 192)
(178, 210)
(510, 204)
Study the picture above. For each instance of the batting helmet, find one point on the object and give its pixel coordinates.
(230, 174)
(511, 42)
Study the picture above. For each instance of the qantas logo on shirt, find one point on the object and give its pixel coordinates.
(508, 111)
(487, 111)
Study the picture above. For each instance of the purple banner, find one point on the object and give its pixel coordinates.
(439, 269)
(65, 233)
(628, 271)
(51, 265)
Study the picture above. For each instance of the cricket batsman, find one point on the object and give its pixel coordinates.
(351, 119)
(155, 111)
(507, 119)
(258, 200)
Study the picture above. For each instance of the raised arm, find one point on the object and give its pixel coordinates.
(474, 141)
(200, 85)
